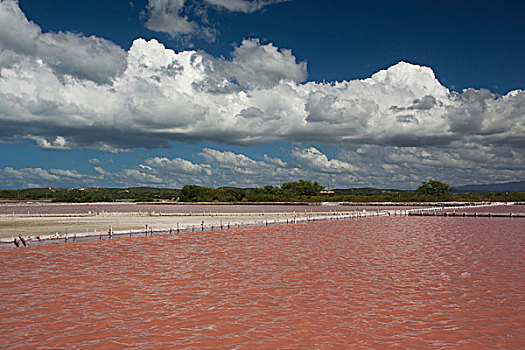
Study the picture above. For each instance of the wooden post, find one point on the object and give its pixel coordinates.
(22, 240)
(178, 230)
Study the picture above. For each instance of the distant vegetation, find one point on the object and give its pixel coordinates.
(95, 194)
(435, 190)
(299, 191)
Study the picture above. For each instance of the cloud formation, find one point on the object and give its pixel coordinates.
(167, 16)
(367, 165)
(256, 97)
(245, 6)
(187, 18)
(226, 168)
(313, 159)
(65, 91)
(65, 53)
(59, 143)
(38, 177)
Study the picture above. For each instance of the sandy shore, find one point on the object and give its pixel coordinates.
(47, 229)
(36, 219)
(38, 227)
(28, 225)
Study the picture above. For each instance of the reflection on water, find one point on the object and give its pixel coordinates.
(405, 282)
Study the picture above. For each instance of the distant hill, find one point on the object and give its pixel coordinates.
(518, 186)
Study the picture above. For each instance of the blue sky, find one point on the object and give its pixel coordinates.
(238, 92)
(467, 43)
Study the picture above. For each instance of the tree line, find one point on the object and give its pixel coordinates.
(297, 191)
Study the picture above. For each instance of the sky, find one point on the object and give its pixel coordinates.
(247, 93)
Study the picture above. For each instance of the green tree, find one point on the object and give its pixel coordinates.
(303, 188)
(434, 188)
(193, 193)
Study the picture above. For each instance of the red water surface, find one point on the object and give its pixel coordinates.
(494, 209)
(391, 282)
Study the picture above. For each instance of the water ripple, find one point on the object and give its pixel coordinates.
(406, 282)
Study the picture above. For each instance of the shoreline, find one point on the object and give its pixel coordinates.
(109, 225)
(170, 203)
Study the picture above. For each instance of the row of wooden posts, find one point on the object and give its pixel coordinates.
(20, 241)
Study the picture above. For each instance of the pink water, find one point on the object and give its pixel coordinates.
(391, 282)
(74, 208)
(495, 209)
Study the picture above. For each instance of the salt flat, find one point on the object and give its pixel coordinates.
(59, 220)
(14, 225)
(33, 219)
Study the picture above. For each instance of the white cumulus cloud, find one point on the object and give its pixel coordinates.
(64, 90)
(187, 18)
(38, 177)
(166, 16)
(313, 159)
(76, 55)
(59, 143)
(178, 165)
(256, 65)
(361, 166)
(245, 6)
